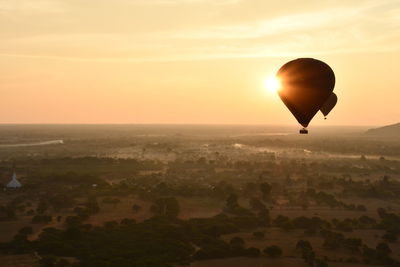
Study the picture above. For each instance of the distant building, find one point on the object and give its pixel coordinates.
(14, 182)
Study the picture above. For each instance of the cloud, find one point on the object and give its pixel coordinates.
(150, 34)
(283, 24)
(355, 28)
(32, 6)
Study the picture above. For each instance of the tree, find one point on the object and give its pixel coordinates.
(256, 204)
(383, 248)
(283, 222)
(136, 208)
(265, 189)
(385, 180)
(307, 252)
(92, 205)
(232, 202)
(41, 219)
(273, 251)
(110, 225)
(303, 245)
(168, 207)
(353, 244)
(237, 241)
(321, 263)
(27, 230)
(42, 207)
(381, 212)
(309, 257)
(127, 221)
(61, 201)
(249, 188)
(361, 208)
(253, 252)
(48, 261)
(237, 246)
(259, 235)
(162, 189)
(390, 236)
(304, 204)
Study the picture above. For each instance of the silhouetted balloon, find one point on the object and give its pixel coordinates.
(329, 104)
(306, 84)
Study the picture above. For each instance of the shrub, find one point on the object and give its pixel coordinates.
(259, 235)
(273, 251)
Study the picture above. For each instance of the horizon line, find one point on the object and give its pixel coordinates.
(188, 124)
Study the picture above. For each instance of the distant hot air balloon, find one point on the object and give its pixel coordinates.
(306, 84)
(329, 104)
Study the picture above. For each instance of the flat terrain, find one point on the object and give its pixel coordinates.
(263, 262)
(92, 176)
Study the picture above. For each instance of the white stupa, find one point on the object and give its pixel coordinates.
(14, 182)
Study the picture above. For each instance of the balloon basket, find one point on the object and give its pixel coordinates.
(303, 131)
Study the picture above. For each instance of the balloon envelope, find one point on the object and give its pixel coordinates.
(306, 84)
(329, 104)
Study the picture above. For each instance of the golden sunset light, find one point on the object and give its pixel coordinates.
(199, 133)
(113, 61)
(272, 84)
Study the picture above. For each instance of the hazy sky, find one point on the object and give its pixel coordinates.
(192, 61)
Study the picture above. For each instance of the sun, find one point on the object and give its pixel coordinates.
(272, 84)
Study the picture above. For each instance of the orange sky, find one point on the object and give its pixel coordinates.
(192, 61)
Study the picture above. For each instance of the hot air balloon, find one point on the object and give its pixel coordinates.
(329, 104)
(306, 84)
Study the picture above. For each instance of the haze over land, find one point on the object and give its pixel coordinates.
(197, 195)
(388, 131)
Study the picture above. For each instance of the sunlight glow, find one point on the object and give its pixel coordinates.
(272, 84)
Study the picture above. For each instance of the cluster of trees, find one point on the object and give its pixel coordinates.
(308, 254)
(333, 240)
(153, 243)
(391, 223)
(273, 251)
(232, 207)
(235, 248)
(309, 225)
(54, 181)
(384, 188)
(159, 241)
(41, 219)
(166, 207)
(216, 248)
(379, 255)
(259, 213)
(312, 225)
(176, 241)
(93, 165)
(7, 213)
(56, 201)
(323, 198)
(83, 212)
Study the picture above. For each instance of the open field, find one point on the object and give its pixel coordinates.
(19, 261)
